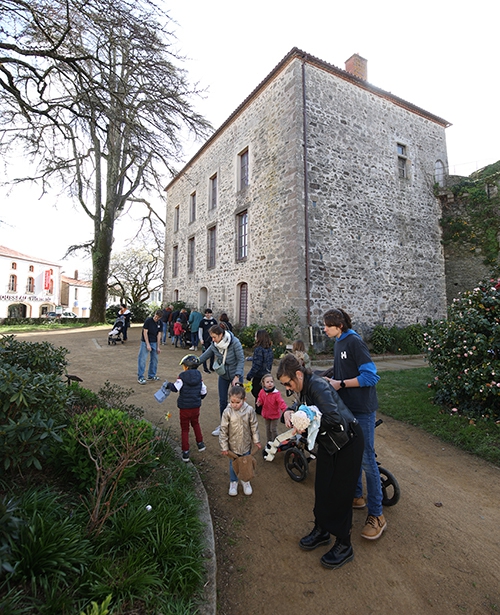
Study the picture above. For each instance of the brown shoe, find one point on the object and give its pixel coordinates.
(374, 527)
(359, 502)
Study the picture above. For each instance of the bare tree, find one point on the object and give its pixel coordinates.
(99, 106)
(135, 273)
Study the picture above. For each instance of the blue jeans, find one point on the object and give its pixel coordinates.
(194, 339)
(153, 360)
(369, 466)
(164, 326)
(232, 473)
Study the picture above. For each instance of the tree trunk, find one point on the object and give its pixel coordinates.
(101, 257)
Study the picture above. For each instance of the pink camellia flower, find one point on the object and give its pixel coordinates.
(454, 410)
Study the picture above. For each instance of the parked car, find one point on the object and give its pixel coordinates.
(52, 315)
(69, 315)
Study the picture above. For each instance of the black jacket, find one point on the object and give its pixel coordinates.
(317, 392)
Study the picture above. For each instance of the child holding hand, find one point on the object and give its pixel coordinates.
(239, 430)
(272, 406)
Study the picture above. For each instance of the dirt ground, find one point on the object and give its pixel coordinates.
(440, 553)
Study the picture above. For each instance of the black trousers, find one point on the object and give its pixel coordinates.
(335, 486)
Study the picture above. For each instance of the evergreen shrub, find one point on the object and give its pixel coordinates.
(104, 435)
(31, 416)
(42, 357)
(464, 353)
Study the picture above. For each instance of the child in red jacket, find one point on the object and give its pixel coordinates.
(272, 406)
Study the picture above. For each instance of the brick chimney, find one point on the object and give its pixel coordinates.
(357, 66)
(76, 274)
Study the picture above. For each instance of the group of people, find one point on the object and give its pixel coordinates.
(347, 402)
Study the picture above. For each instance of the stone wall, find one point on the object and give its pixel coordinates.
(375, 237)
(271, 128)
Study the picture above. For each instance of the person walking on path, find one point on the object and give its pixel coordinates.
(355, 377)
(337, 469)
(239, 430)
(206, 323)
(127, 315)
(192, 390)
(227, 350)
(194, 321)
(262, 360)
(165, 317)
(150, 344)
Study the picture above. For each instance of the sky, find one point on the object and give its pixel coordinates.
(440, 55)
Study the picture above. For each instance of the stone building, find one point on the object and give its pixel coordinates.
(316, 192)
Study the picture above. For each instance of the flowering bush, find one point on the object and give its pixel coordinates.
(464, 353)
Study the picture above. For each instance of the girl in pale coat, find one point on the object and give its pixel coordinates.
(239, 431)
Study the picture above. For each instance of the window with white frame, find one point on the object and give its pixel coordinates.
(402, 161)
(175, 261)
(243, 169)
(212, 197)
(242, 235)
(176, 218)
(30, 286)
(192, 207)
(190, 255)
(13, 283)
(211, 244)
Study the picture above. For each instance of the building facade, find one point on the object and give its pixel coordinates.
(316, 192)
(31, 285)
(76, 295)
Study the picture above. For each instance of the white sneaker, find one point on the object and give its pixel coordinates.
(216, 431)
(233, 487)
(192, 348)
(247, 487)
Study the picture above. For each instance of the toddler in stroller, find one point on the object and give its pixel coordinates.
(116, 333)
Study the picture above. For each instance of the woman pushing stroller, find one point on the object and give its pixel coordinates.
(338, 462)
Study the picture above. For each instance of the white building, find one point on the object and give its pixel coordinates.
(76, 295)
(30, 286)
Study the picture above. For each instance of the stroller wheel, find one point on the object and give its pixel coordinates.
(296, 464)
(390, 488)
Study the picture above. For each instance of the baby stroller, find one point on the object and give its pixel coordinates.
(115, 335)
(298, 457)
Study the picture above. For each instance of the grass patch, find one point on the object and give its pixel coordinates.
(404, 395)
(48, 326)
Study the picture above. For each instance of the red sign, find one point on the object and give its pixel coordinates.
(46, 280)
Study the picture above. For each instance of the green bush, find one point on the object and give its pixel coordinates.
(398, 340)
(42, 357)
(464, 353)
(31, 415)
(9, 532)
(83, 400)
(101, 437)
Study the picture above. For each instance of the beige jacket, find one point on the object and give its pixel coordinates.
(239, 429)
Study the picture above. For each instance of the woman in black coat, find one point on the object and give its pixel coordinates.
(337, 471)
